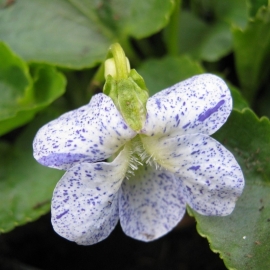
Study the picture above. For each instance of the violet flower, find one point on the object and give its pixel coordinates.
(152, 174)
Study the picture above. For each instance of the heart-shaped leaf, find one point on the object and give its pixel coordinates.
(23, 95)
(242, 238)
(25, 186)
(77, 33)
(252, 53)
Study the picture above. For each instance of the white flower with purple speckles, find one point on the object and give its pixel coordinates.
(153, 173)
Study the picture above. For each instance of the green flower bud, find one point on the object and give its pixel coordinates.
(126, 88)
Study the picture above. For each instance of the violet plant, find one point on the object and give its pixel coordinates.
(204, 72)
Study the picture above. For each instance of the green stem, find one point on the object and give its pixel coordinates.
(120, 61)
(132, 56)
(172, 30)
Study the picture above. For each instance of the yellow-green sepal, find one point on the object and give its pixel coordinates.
(126, 88)
(129, 98)
(110, 89)
(138, 79)
(132, 103)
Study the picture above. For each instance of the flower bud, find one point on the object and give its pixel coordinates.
(126, 88)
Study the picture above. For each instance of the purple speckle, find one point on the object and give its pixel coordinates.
(194, 168)
(98, 167)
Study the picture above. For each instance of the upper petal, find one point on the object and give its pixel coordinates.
(211, 178)
(200, 104)
(150, 203)
(91, 133)
(85, 201)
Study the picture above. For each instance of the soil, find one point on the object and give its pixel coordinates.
(36, 246)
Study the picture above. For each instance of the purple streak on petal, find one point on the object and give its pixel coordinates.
(65, 212)
(57, 159)
(210, 111)
(195, 152)
(185, 126)
(158, 103)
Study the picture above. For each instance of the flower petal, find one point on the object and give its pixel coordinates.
(150, 204)
(212, 179)
(85, 201)
(200, 104)
(91, 133)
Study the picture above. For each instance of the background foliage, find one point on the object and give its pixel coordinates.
(50, 52)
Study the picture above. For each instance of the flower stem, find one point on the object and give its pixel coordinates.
(120, 61)
(172, 30)
(97, 82)
(129, 51)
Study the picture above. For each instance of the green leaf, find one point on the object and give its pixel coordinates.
(25, 186)
(242, 238)
(262, 103)
(15, 83)
(210, 39)
(136, 18)
(203, 41)
(254, 6)
(239, 103)
(22, 95)
(234, 12)
(21, 118)
(231, 11)
(77, 34)
(159, 74)
(252, 53)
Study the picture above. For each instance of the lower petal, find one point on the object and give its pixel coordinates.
(85, 201)
(151, 204)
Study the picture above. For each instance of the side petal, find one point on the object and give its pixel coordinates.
(85, 201)
(211, 178)
(89, 134)
(200, 104)
(150, 204)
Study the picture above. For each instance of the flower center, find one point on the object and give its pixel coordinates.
(138, 157)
